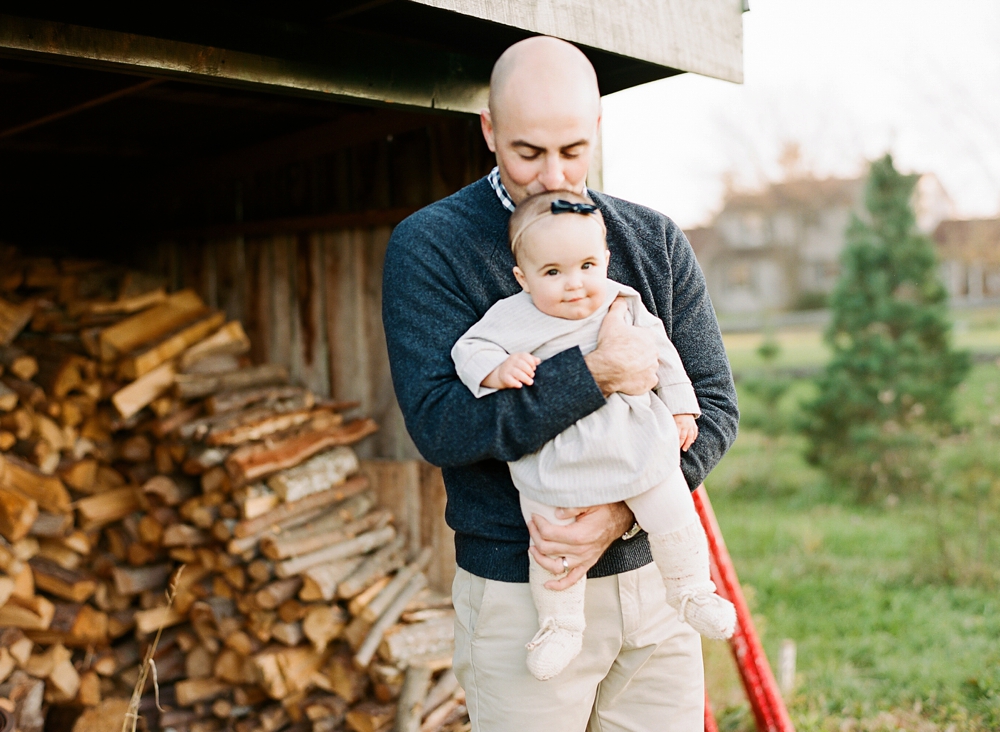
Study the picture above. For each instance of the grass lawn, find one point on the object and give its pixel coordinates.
(893, 628)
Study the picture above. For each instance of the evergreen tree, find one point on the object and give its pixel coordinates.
(886, 394)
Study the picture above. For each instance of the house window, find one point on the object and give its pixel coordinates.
(739, 274)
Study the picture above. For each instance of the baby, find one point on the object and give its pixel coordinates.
(628, 450)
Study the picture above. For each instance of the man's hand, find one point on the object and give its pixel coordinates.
(625, 359)
(581, 543)
(687, 430)
(518, 369)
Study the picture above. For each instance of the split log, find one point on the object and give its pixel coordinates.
(19, 422)
(191, 691)
(380, 604)
(406, 644)
(74, 625)
(149, 621)
(8, 398)
(133, 580)
(105, 717)
(276, 593)
(29, 393)
(46, 490)
(103, 508)
(452, 711)
(386, 560)
(13, 318)
(370, 716)
(135, 365)
(364, 654)
(360, 602)
(316, 474)
(444, 688)
(122, 306)
(319, 534)
(28, 695)
(17, 514)
(136, 330)
(322, 624)
(80, 475)
(75, 586)
(320, 582)
(59, 375)
(194, 386)
(352, 547)
(217, 424)
(16, 361)
(130, 399)
(52, 525)
(251, 462)
(34, 613)
(230, 401)
(289, 511)
(410, 707)
(346, 681)
(264, 426)
(286, 671)
(166, 425)
(229, 340)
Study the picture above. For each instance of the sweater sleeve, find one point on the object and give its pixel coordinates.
(694, 331)
(425, 310)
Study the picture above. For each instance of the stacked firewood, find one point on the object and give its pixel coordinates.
(181, 524)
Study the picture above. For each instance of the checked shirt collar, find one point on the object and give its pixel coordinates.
(501, 190)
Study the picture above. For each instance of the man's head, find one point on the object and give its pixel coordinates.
(543, 118)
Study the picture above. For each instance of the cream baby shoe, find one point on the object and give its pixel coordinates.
(682, 558)
(561, 623)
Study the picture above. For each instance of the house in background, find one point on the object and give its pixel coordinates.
(969, 252)
(779, 248)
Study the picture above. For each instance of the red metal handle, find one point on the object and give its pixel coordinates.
(762, 690)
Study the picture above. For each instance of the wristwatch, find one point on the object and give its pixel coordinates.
(631, 532)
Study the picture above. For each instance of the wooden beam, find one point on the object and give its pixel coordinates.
(319, 222)
(90, 104)
(354, 66)
(702, 36)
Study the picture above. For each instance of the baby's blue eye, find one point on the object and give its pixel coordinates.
(552, 272)
(587, 265)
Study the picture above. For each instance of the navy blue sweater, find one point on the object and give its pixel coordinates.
(446, 265)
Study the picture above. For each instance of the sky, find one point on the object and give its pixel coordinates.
(846, 81)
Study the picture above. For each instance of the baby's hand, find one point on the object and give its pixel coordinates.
(518, 369)
(687, 430)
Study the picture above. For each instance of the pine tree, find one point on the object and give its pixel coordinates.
(886, 394)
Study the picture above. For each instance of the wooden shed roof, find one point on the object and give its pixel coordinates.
(420, 53)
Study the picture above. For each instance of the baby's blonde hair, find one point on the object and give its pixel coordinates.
(539, 206)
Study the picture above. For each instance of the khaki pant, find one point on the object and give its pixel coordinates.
(640, 669)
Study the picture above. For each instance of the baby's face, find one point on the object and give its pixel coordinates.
(563, 265)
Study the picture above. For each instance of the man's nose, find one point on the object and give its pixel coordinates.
(551, 177)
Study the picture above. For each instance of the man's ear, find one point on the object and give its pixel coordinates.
(486, 121)
(607, 257)
(521, 279)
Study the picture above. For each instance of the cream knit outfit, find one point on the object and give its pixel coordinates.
(619, 451)
(627, 450)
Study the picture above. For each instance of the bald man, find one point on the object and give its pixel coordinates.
(640, 667)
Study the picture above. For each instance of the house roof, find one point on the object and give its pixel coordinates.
(809, 192)
(970, 239)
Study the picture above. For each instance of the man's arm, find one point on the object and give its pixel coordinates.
(694, 331)
(425, 311)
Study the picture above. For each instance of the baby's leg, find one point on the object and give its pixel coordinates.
(680, 550)
(560, 612)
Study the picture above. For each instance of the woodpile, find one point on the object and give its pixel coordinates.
(155, 484)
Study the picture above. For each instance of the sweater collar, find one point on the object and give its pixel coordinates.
(501, 190)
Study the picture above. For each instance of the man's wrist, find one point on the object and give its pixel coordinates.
(598, 373)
